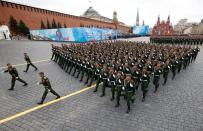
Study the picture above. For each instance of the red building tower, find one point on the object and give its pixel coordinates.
(162, 28)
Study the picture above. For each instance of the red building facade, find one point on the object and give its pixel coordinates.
(163, 28)
(33, 16)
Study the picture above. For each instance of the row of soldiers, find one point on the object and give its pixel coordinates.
(183, 40)
(123, 66)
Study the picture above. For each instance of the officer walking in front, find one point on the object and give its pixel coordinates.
(29, 63)
(47, 85)
(14, 73)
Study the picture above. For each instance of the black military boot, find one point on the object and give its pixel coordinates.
(128, 110)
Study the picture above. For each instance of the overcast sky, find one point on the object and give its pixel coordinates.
(126, 9)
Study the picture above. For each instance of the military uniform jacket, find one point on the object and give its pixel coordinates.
(157, 73)
(166, 69)
(27, 59)
(173, 66)
(145, 81)
(105, 75)
(13, 72)
(119, 81)
(149, 68)
(46, 83)
(136, 76)
(129, 87)
(112, 79)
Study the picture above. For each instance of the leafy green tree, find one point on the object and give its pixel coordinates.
(59, 25)
(42, 25)
(13, 24)
(64, 25)
(23, 29)
(54, 24)
(48, 24)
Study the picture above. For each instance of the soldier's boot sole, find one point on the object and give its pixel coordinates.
(25, 84)
(102, 95)
(40, 103)
(117, 105)
(143, 99)
(128, 110)
(112, 99)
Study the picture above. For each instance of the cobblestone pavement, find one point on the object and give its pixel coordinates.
(177, 106)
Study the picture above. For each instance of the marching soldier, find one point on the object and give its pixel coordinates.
(157, 74)
(136, 75)
(119, 88)
(145, 79)
(105, 76)
(166, 68)
(53, 51)
(112, 83)
(14, 74)
(90, 73)
(29, 63)
(179, 65)
(129, 92)
(173, 68)
(47, 86)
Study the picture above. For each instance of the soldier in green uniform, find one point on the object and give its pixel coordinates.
(173, 67)
(129, 92)
(112, 83)
(14, 74)
(145, 79)
(157, 74)
(47, 85)
(29, 63)
(119, 87)
(179, 65)
(105, 76)
(136, 75)
(90, 73)
(53, 51)
(77, 66)
(166, 68)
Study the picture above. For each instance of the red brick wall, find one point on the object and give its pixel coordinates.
(32, 17)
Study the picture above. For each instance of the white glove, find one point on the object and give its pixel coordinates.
(17, 77)
(38, 83)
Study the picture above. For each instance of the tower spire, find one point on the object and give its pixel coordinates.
(158, 20)
(137, 19)
(115, 18)
(168, 20)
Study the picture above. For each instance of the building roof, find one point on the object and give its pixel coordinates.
(93, 14)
